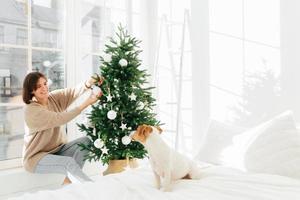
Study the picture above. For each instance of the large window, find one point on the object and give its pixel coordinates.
(33, 42)
(46, 36)
(244, 60)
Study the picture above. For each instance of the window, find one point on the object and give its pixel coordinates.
(42, 46)
(245, 60)
(30, 48)
(21, 36)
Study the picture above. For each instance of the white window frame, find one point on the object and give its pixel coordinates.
(17, 162)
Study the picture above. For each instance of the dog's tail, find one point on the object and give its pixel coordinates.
(195, 172)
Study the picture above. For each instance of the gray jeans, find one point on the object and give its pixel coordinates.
(68, 161)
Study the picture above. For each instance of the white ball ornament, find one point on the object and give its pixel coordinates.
(123, 62)
(141, 105)
(126, 140)
(107, 57)
(111, 114)
(96, 90)
(98, 143)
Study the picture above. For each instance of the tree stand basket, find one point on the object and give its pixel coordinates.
(116, 166)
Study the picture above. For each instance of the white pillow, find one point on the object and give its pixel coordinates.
(272, 147)
(278, 153)
(218, 137)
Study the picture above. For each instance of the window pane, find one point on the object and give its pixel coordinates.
(11, 131)
(223, 105)
(259, 58)
(226, 16)
(262, 21)
(48, 24)
(226, 62)
(13, 68)
(89, 65)
(52, 65)
(92, 27)
(12, 18)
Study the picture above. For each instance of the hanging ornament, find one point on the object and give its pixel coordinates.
(109, 97)
(104, 150)
(123, 62)
(96, 90)
(123, 126)
(94, 131)
(116, 141)
(141, 105)
(107, 57)
(126, 140)
(111, 114)
(98, 143)
(129, 128)
(132, 97)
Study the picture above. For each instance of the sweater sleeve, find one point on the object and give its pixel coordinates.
(38, 118)
(65, 97)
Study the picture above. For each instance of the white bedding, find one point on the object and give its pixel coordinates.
(217, 183)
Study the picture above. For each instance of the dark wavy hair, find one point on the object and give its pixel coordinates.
(30, 84)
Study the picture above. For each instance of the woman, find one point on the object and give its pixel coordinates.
(45, 148)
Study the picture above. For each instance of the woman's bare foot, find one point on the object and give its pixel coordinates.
(67, 181)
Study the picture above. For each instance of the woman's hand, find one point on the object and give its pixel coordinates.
(93, 80)
(90, 100)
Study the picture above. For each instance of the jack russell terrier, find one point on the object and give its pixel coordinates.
(166, 163)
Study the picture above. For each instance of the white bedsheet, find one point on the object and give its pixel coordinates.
(217, 183)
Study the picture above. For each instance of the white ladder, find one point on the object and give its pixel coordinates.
(178, 84)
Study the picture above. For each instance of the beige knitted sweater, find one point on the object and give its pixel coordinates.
(44, 134)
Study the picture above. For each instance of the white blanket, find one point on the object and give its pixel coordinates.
(217, 183)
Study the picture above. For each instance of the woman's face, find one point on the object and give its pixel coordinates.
(41, 91)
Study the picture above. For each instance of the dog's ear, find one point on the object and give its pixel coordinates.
(159, 129)
(146, 130)
(142, 133)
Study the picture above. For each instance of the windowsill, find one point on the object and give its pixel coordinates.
(10, 164)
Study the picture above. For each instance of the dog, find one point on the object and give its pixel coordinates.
(167, 164)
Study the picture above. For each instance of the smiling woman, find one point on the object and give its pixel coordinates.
(45, 147)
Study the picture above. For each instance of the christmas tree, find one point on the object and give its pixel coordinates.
(125, 104)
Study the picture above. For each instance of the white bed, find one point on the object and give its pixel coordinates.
(259, 164)
(217, 183)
